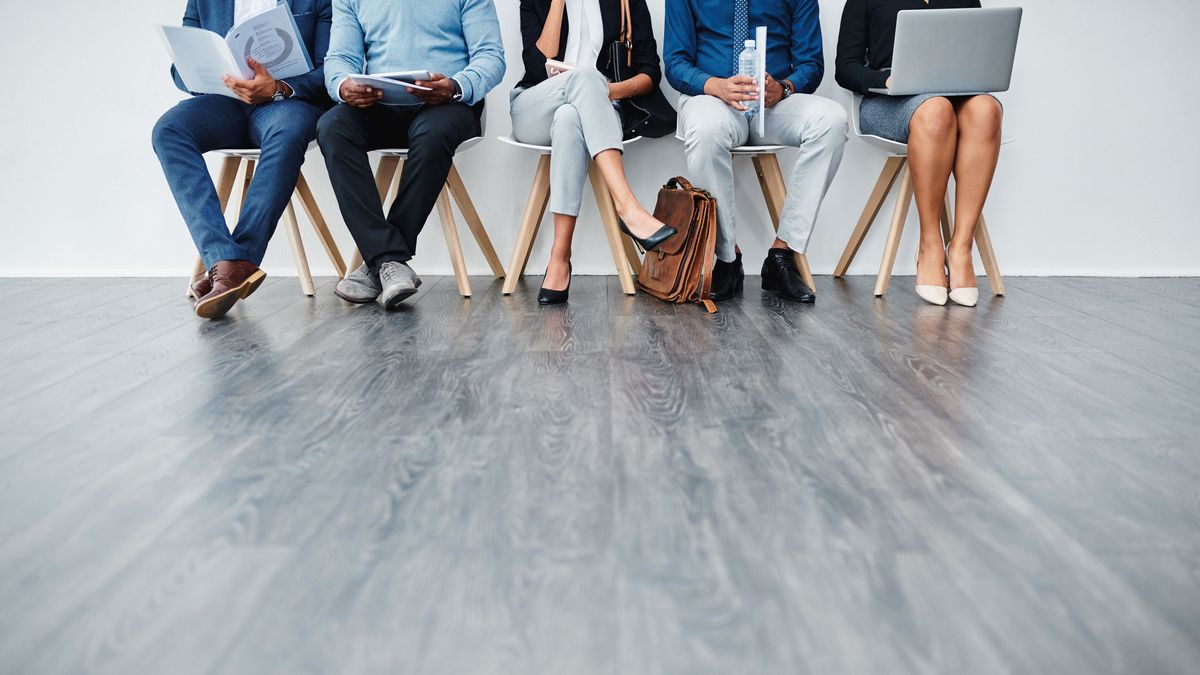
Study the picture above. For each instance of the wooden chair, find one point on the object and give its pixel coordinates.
(241, 163)
(895, 168)
(625, 256)
(387, 181)
(774, 189)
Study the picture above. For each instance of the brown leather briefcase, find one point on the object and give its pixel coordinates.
(680, 269)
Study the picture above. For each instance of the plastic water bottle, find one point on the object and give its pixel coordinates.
(748, 66)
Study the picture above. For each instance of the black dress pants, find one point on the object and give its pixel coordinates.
(431, 133)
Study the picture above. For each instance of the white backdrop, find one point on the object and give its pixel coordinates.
(1100, 180)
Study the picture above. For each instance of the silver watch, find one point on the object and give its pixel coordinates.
(279, 95)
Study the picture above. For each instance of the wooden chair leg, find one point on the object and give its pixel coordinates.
(458, 190)
(535, 208)
(774, 189)
(774, 208)
(887, 178)
(631, 254)
(899, 216)
(309, 204)
(983, 242)
(612, 228)
(250, 164)
(450, 227)
(293, 231)
(805, 270)
(388, 168)
(225, 181)
(947, 217)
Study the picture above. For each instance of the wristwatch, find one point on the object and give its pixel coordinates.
(787, 88)
(279, 95)
(457, 96)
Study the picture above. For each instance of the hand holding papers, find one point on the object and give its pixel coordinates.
(396, 87)
(203, 58)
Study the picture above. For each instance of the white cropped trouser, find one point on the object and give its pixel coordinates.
(572, 114)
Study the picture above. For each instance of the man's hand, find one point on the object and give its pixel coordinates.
(261, 89)
(774, 92)
(735, 90)
(441, 89)
(359, 95)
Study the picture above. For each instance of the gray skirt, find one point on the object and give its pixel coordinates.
(888, 116)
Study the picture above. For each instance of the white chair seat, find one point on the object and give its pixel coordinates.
(403, 152)
(750, 150)
(249, 153)
(545, 149)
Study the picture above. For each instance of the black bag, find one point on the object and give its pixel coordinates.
(649, 115)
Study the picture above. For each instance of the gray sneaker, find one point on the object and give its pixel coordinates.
(398, 281)
(360, 286)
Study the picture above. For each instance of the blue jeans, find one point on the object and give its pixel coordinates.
(197, 125)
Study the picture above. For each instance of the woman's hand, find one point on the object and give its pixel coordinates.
(735, 91)
(635, 86)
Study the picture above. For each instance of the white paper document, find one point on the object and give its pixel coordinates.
(395, 86)
(202, 57)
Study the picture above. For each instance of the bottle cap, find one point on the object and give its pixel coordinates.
(751, 43)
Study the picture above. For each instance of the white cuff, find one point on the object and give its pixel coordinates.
(337, 93)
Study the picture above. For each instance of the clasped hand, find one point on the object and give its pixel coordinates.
(741, 89)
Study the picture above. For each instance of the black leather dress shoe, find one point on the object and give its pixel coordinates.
(550, 297)
(653, 241)
(728, 279)
(779, 273)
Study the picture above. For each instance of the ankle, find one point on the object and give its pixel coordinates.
(959, 249)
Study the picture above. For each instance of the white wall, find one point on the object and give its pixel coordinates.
(1100, 180)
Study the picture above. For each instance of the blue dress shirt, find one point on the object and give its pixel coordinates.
(699, 42)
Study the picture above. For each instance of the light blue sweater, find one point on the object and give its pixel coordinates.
(458, 38)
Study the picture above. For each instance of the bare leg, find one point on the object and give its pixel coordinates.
(932, 136)
(636, 217)
(979, 122)
(558, 270)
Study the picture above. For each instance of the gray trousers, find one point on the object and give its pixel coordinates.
(572, 114)
(815, 125)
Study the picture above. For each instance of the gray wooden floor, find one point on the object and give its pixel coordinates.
(619, 486)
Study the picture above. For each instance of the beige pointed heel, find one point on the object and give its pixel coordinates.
(934, 295)
(965, 296)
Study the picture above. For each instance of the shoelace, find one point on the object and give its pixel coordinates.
(389, 273)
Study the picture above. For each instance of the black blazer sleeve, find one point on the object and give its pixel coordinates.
(853, 38)
(533, 18)
(645, 48)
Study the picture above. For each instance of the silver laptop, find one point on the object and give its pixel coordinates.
(954, 51)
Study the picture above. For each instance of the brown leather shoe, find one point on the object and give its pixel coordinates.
(200, 287)
(232, 280)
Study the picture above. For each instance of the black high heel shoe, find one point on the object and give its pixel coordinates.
(653, 241)
(549, 297)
